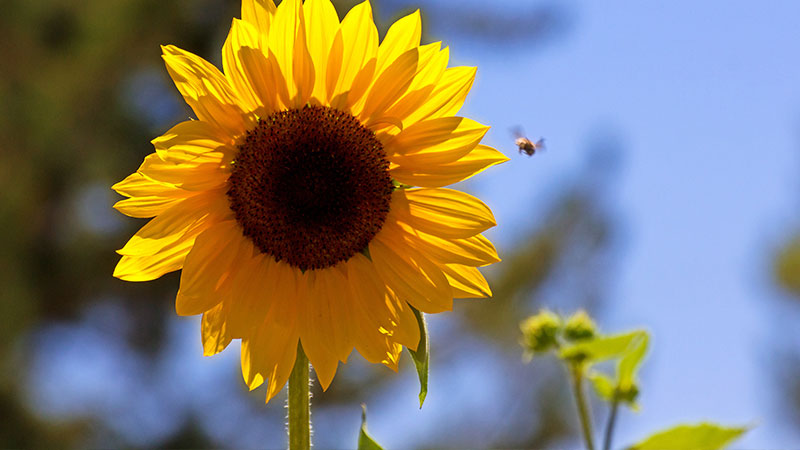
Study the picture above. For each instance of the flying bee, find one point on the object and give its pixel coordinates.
(526, 145)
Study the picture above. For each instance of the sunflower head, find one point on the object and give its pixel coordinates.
(305, 204)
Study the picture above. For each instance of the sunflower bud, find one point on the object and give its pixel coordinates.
(540, 332)
(579, 327)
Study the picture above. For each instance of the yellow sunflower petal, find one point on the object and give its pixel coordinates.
(205, 89)
(207, 266)
(287, 40)
(334, 68)
(402, 36)
(145, 207)
(269, 354)
(467, 282)
(148, 198)
(329, 311)
(258, 13)
(446, 213)
(214, 330)
(435, 141)
(193, 214)
(472, 251)
(379, 304)
(194, 142)
(369, 292)
(162, 247)
(448, 97)
(432, 64)
(410, 274)
(438, 175)
(242, 34)
(373, 344)
(192, 177)
(284, 289)
(406, 330)
(360, 45)
(314, 342)
(285, 355)
(250, 295)
(390, 85)
(266, 79)
(149, 267)
(353, 100)
(322, 24)
(137, 185)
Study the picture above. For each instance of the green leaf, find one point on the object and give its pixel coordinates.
(421, 356)
(603, 385)
(630, 361)
(602, 348)
(703, 436)
(365, 441)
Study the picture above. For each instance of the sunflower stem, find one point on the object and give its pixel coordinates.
(299, 404)
(576, 371)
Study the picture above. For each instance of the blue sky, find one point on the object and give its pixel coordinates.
(706, 99)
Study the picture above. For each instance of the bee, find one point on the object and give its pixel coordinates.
(526, 145)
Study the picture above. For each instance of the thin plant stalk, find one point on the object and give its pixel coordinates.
(612, 420)
(299, 404)
(583, 410)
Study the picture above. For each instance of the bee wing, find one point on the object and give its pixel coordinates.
(540, 144)
(517, 131)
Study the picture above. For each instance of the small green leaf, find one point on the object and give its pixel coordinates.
(603, 385)
(703, 436)
(365, 441)
(421, 356)
(630, 361)
(601, 348)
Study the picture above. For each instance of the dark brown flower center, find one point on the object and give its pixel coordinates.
(310, 186)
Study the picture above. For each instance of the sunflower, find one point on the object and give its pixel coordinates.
(305, 204)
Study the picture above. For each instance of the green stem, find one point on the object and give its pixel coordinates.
(299, 404)
(612, 420)
(583, 410)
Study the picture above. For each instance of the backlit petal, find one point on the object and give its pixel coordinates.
(269, 355)
(207, 266)
(410, 274)
(438, 175)
(360, 45)
(435, 141)
(242, 34)
(448, 97)
(467, 282)
(192, 177)
(322, 24)
(472, 251)
(194, 142)
(442, 212)
(402, 36)
(193, 214)
(205, 90)
(259, 14)
(214, 330)
(287, 41)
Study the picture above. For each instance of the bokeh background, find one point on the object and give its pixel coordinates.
(668, 199)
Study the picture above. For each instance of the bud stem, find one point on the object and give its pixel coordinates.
(576, 371)
(612, 420)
